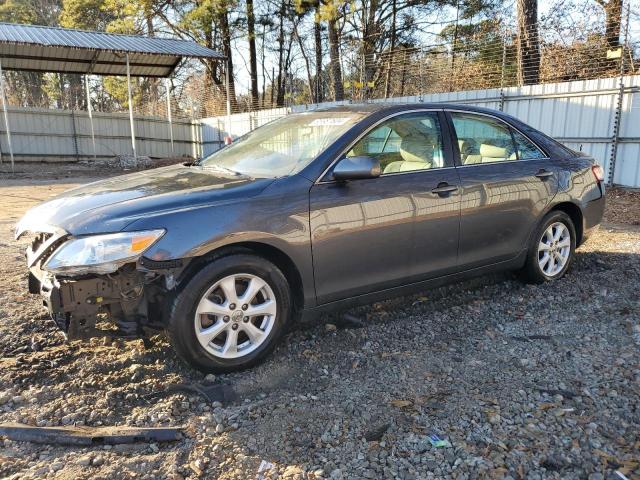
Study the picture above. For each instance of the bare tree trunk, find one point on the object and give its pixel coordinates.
(612, 22)
(36, 94)
(403, 78)
(528, 42)
(225, 33)
(253, 64)
(305, 57)
(287, 69)
(334, 61)
(279, 89)
(151, 84)
(317, 35)
(273, 76)
(454, 46)
(387, 86)
(148, 17)
(369, 38)
(264, 75)
(61, 99)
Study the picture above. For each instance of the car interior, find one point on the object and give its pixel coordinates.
(410, 144)
(403, 145)
(488, 151)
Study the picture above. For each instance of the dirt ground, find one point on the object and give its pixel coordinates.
(522, 381)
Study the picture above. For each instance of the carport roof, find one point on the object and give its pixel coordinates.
(51, 49)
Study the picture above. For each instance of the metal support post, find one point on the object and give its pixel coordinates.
(502, 74)
(166, 86)
(618, 112)
(90, 110)
(6, 116)
(228, 86)
(133, 132)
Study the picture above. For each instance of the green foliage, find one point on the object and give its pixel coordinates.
(83, 14)
(116, 87)
(52, 88)
(126, 15)
(17, 11)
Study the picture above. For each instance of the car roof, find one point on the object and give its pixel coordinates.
(397, 107)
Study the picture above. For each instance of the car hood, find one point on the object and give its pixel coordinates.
(110, 205)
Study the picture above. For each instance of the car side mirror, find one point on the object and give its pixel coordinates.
(356, 168)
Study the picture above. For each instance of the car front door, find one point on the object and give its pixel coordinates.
(372, 234)
(506, 183)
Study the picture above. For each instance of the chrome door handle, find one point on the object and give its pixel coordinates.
(444, 189)
(543, 174)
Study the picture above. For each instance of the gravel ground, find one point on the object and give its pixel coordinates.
(522, 381)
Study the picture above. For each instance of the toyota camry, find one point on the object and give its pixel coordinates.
(313, 212)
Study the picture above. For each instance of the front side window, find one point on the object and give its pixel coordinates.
(404, 143)
(482, 139)
(284, 146)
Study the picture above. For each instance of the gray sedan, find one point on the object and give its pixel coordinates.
(314, 212)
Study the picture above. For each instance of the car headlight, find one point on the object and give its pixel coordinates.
(100, 253)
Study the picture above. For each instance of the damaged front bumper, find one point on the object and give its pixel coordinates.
(127, 303)
(79, 305)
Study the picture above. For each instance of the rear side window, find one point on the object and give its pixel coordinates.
(482, 139)
(526, 149)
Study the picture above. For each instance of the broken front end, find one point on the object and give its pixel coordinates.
(100, 285)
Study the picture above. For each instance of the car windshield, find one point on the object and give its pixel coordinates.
(284, 146)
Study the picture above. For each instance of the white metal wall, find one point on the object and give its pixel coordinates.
(64, 135)
(214, 129)
(579, 114)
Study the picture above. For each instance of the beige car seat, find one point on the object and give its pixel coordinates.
(469, 153)
(494, 153)
(416, 152)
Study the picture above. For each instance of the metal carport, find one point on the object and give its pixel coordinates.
(59, 50)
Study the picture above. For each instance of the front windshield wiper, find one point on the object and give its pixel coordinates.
(220, 168)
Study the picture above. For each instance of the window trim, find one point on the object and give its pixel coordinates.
(444, 135)
(456, 148)
(515, 143)
(386, 140)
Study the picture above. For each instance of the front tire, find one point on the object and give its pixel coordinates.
(552, 247)
(231, 314)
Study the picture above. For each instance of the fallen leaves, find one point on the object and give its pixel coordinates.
(401, 403)
(395, 354)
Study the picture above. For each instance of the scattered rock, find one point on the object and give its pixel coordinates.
(524, 381)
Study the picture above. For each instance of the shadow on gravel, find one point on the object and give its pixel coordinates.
(424, 303)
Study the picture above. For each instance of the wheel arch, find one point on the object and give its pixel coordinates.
(576, 216)
(269, 252)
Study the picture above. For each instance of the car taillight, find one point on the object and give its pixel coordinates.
(598, 173)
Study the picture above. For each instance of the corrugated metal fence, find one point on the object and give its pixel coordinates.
(581, 114)
(64, 135)
(214, 129)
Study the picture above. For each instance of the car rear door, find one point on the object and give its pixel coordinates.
(506, 184)
(372, 234)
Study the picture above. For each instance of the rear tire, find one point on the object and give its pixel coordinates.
(230, 315)
(551, 250)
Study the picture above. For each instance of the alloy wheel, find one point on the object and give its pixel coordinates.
(554, 249)
(235, 315)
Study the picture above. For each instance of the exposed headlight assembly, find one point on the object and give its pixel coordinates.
(100, 253)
